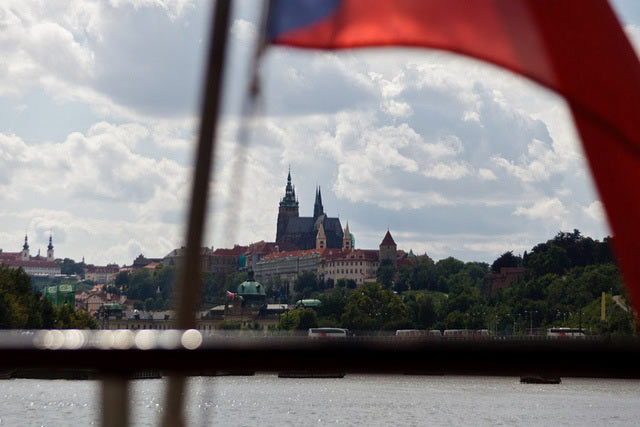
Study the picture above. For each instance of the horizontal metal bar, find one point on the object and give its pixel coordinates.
(566, 357)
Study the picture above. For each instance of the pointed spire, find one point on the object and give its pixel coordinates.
(50, 242)
(347, 244)
(388, 240)
(318, 210)
(26, 243)
(289, 199)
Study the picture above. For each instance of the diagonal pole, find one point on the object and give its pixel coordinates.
(190, 273)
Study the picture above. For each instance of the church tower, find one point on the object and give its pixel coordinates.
(346, 239)
(25, 250)
(318, 210)
(288, 208)
(321, 238)
(388, 249)
(50, 250)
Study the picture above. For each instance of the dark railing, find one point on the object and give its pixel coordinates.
(124, 353)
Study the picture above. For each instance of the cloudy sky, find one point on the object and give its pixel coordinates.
(98, 112)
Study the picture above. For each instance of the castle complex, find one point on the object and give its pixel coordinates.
(302, 232)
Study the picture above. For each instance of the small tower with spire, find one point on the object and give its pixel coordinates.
(321, 238)
(50, 256)
(24, 255)
(388, 249)
(346, 239)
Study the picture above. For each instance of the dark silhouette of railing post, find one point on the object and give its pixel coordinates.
(190, 273)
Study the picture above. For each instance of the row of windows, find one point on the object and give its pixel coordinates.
(347, 271)
(335, 263)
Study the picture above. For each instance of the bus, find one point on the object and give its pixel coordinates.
(405, 333)
(413, 333)
(328, 333)
(565, 332)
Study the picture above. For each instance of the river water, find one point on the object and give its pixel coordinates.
(266, 400)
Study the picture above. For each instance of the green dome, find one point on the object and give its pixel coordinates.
(250, 287)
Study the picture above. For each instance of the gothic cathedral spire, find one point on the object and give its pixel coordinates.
(288, 208)
(318, 210)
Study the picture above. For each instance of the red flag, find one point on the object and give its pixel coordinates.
(575, 47)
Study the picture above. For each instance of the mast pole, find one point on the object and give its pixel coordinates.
(189, 279)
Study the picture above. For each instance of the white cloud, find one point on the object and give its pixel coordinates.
(471, 116)
(174, 8)
(595, 211)
(97, 166)
(546, 209)
(486, 174)
(449, 146)
(35, 49)
(539, 164)
(447, 171)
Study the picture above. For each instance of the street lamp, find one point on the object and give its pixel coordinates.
(531, 320)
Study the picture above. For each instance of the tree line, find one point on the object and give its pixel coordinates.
(562, 286)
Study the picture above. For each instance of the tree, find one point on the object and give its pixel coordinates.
(289, 320)
(422, 311)
(385, 273)
(372, 308)
(448, 266)
(307, 319)
(69, 266)
(507, 259)
(305, 284)
(68, 318)
(549, 258)
(333, 305)
(122, 279)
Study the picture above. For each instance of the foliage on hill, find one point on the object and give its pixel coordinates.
(21, 308)
(562, 286)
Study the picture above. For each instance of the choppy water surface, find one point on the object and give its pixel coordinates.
(266, 400)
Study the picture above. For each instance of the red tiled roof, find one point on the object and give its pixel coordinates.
(339, 254)
(237, 250)
(9, 254)
(299, 253)
(151, 266)
(264, 248)
(388, 240)
(33, 263)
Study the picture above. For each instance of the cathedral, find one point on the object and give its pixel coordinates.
(302, 231)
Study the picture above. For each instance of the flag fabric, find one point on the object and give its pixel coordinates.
(574, 47)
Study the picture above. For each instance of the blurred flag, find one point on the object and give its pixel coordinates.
(574, 47)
